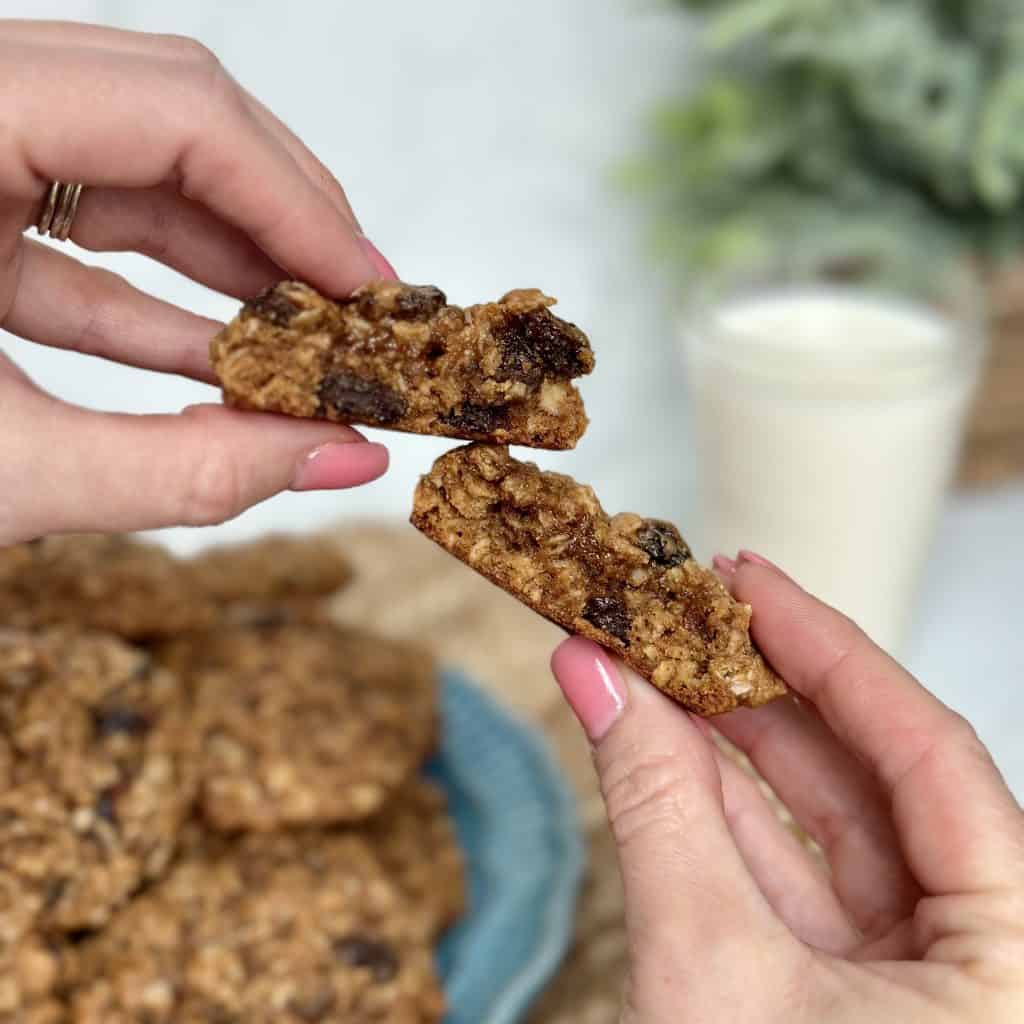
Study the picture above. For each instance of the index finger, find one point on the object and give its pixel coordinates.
(67, 34)
(122, 118)
(959, 825)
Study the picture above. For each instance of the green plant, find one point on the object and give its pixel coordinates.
(844, 132)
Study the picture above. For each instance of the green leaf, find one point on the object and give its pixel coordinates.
(998, 161)
(843, 125)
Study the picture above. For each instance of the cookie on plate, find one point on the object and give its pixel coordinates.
(414, 838)
(263, 931)
(399, 356)
(107, 582)
(274, 570)
(627, 582)
(96, 777)
(304, 723)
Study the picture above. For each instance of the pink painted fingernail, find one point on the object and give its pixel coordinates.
(703, 725)
(755, 559)
(378, 259)
(591, 684)
(340, 464)
(724, 566)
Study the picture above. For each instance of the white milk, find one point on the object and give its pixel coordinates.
(829, 423)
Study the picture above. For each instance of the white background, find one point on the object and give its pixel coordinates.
(477, 142)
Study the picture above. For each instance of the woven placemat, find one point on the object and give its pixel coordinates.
(408, 588)
(993, 451)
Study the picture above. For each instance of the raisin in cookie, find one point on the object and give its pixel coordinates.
(265, 931)
(398, 356)
(304, 723)
(96, 776)
(109, 582)
(627, 582)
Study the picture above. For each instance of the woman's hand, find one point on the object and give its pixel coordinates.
(182, 165)
(729, 919)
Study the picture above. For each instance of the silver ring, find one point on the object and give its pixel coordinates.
(59, 208)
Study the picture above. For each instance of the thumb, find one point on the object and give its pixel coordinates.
(66, 469)
(689, 895)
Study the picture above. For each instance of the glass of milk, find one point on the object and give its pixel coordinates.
(829, 419)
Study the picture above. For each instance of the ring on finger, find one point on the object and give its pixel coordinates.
(58, 211)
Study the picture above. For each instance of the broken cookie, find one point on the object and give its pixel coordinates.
(399, 356)
(627, 582)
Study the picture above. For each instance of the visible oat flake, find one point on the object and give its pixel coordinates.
(399, 356)
(628, 582)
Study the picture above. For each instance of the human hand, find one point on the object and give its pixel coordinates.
(728, 917)
(184, 166)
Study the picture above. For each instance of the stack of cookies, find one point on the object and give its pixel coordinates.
(211, 806)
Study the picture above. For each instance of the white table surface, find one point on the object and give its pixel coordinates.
(477, 142)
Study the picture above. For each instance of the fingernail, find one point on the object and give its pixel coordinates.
(377, 258)
(724, 566)
(591, 684)
(340, 464)
(755, 559)
(703, 725)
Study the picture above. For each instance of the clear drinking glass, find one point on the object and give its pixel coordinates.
(829, 417)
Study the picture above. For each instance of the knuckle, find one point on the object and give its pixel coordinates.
(931, 917)
(329, 183)
(188, 50)
(644, 798)
(226, 95)
(221, 93)
(213, 491)
(98, 311)
(207, 165)
(995, 959)
(944, 925)
(960, 731)
(156, 233)
(956, 736)
(211, 84)
(1005, 910)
